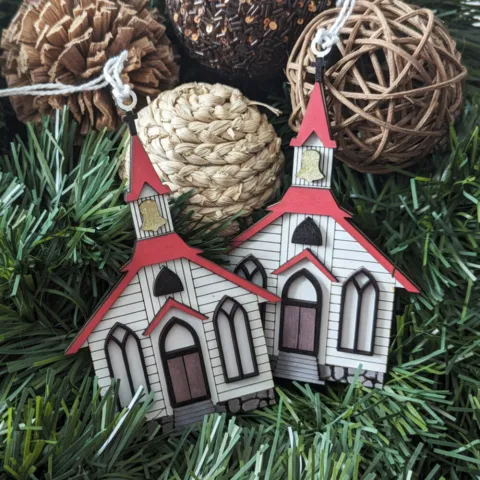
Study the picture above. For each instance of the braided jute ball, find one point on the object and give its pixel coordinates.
(394, 89)
(213, 140)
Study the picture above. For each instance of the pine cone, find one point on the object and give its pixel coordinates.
(69, 41)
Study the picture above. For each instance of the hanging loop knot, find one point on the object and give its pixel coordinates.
(324, 40)
(124, 96)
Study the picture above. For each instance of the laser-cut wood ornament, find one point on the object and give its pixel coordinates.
(337, 288)
(177, 324)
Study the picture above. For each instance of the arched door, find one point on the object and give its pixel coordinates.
(301, 314)
(183, 365)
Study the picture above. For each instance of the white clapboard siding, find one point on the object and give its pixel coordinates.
(129, 310)
(210, 289)
(359, 257)
(264, 245)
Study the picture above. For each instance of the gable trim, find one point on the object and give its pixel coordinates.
(104, 307)
(320, 201)
(152, 251)
(142, 172)
(306, 255)
(170, 304)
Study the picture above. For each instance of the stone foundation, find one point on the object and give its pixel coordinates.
(247, 403)
(347, 374)
(167, 423)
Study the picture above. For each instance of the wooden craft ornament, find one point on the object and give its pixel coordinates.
(176, 324)
(336, 287)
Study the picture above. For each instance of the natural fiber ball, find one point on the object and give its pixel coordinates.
(213, 140)
(394, 90)
(247, 38)
(69, 41)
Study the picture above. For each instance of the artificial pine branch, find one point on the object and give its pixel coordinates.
(423, 424)
(58, 254)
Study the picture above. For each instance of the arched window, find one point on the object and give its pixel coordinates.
(235, 343)
(307, 233)
(183, 365)
(167, 282)
(125, 361)
(252, 270)
(358, 313)
(301, 314)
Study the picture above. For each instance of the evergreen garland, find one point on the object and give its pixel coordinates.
(64, 233)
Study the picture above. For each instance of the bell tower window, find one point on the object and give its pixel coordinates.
(310, 166)
(151, 218)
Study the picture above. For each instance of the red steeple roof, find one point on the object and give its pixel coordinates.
(142, 172)
(315, 121)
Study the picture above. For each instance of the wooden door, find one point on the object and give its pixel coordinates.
(299, 328)
(300, 318)
(184, 367)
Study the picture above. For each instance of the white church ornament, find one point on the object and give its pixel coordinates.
(176, 323)
(336, 288)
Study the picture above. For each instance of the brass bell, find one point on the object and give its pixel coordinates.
(151, 218)
(310, 169)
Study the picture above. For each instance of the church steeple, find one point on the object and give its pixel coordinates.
(147, 195)
(313, 152)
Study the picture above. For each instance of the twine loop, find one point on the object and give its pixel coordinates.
(324, 40)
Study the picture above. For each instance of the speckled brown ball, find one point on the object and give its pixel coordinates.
(247, 38)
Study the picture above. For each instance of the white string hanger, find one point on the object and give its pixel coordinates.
(124, 96)
(324, 40)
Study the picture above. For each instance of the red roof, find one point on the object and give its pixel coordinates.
(169, 304)
(142, 172)
(315, 121)
(152, 251)
(320, 201)
(306, 255)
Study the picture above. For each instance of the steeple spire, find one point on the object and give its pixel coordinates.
(315, 121)
(141, 169)
(147, 195)
(313, 152)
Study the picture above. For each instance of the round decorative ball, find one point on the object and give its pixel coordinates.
(214, 141)
(247, 38)
(397, 85)
(69, 42)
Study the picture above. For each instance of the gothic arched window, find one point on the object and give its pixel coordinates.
(125, 361)
(252, 270)
(235, 342)
(301, 313)
(358, 313)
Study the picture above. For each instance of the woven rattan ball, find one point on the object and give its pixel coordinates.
(393, 91)
(213, 140)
